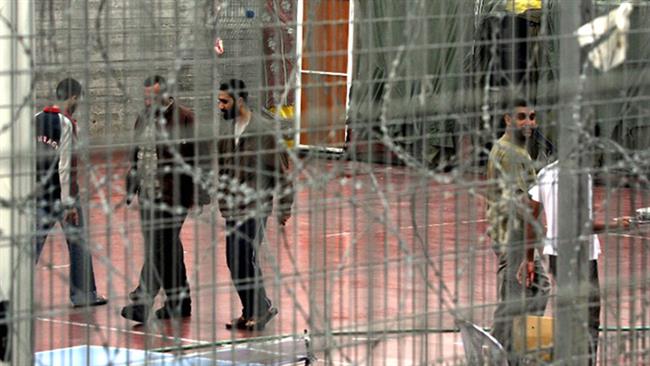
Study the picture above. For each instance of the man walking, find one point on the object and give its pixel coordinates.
(58, 201)
(253, 169)
(522, 282)
(162, 175)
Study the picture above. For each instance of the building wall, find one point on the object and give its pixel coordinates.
(111, 46)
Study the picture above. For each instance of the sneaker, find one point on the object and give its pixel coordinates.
(135, 312)
(260, 322)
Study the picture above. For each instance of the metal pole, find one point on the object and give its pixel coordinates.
(571, 334)
(300, 19)
(16, 276)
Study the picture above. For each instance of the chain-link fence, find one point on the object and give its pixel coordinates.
(366, 198)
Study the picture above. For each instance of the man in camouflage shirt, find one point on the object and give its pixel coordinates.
(523, 285)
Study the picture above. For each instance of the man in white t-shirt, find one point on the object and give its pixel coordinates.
(546, 192)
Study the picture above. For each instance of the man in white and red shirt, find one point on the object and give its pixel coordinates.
(57, 199)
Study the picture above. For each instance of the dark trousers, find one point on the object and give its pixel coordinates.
(5, 332)
(594, 304)
(242, 242)
(82, 277)
(516, 299)
(164, 262)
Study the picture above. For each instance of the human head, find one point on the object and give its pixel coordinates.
(232, 98)
(69, 92)
(155, 91)
(520, 120)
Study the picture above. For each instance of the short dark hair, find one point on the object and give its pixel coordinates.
(68, 88)
(509, 105)
(235, 88)
(156, 79)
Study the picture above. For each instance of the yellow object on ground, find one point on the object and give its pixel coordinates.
(537, 331)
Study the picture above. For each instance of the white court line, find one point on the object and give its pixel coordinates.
(281, 358)
(60, 266)
(630, 236)
(348, 233)
(118, 330)
(328, 73)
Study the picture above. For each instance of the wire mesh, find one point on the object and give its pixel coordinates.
(385, 113)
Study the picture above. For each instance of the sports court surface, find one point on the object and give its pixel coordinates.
(375, 262)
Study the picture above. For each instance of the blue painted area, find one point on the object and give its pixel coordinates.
(104, 356)
(250, 13)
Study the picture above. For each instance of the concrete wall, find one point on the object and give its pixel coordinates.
(111, 46)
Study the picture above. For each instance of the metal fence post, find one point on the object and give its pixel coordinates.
(16, 277)
(571, 334)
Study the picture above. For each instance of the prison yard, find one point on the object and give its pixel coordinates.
(333, 182)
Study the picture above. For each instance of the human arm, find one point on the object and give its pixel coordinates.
(132, 185)
(278, 162)
(527, 268)
(70, 214)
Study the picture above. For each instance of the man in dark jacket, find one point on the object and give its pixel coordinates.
(253, 169)
(162, 174)
(56, 135)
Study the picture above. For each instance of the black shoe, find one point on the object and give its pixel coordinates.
(169, 311)
(136, 312)
(138, 295)
(134, 295)
(239, 323)
(259, 323)
(97, 301)
(5, 344)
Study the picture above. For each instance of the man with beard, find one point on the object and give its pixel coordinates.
(253, 169)
(523, 285)
(161, 175)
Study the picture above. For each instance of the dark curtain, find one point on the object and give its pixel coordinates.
(408, 73)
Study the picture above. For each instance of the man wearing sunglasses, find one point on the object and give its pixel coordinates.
(523, 285)
(253, 170)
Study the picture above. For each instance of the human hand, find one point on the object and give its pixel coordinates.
(283, 218)
(526, 270)
(623, 222)
(71, 216)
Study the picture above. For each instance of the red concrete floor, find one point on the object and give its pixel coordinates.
(353, 258)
